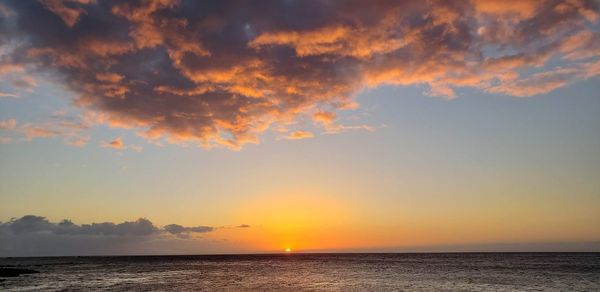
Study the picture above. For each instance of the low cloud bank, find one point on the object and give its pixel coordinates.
(140, 227)
(33, 235)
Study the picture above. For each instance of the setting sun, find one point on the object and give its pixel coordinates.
(288, 250)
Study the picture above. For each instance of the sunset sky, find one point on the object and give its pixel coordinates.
(256, 126)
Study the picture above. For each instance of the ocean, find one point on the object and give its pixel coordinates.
(311, 272)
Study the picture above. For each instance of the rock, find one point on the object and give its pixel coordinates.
(15, 272)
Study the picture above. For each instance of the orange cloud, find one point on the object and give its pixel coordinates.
(26, 82)
(117, 143)
(69, 15)
(109, 77)
(187, 72)
(6, 68)
(61, 125)
(8, 124)
(33, 131)
(297, 135)
(544, 82)
(521, 8)
(78, 141)
(324, 117)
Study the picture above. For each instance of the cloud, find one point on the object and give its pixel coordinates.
(178, 229)
(59, 125)
(6, 68)
(334, 129)
(20, 234)
(324, 117)
(34, 131)
(68, 14)
(25, 82)
(8, 124)
(521, 8)
(118, 144)
(78, 141)
(14, 75)
(7, 94)
(544, 82)
(223, 73)
(297, 135)
(36, 224)
(140, 227)
(327, 121)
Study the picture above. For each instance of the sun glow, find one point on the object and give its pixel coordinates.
(288, 250)
(307, 221)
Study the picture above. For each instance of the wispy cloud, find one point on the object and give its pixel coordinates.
(32, 131)
(223, 73)
(6, 68)
(8, 94)
(14, 75)
(78, 141)
(297, 135)
(118, 144)
(8, 124)
(60, 124)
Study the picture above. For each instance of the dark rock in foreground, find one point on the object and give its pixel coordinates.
(15, 272)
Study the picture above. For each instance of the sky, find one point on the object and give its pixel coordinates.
(200, 127)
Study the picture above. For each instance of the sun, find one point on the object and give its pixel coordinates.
(288, 250)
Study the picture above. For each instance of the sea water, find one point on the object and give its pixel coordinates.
(312, 272)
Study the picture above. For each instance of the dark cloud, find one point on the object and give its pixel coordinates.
(36, 235)
(28, 223)
(222, 72)
(178, 229)
(140, 227)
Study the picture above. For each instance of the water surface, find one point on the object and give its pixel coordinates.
(313, 272)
